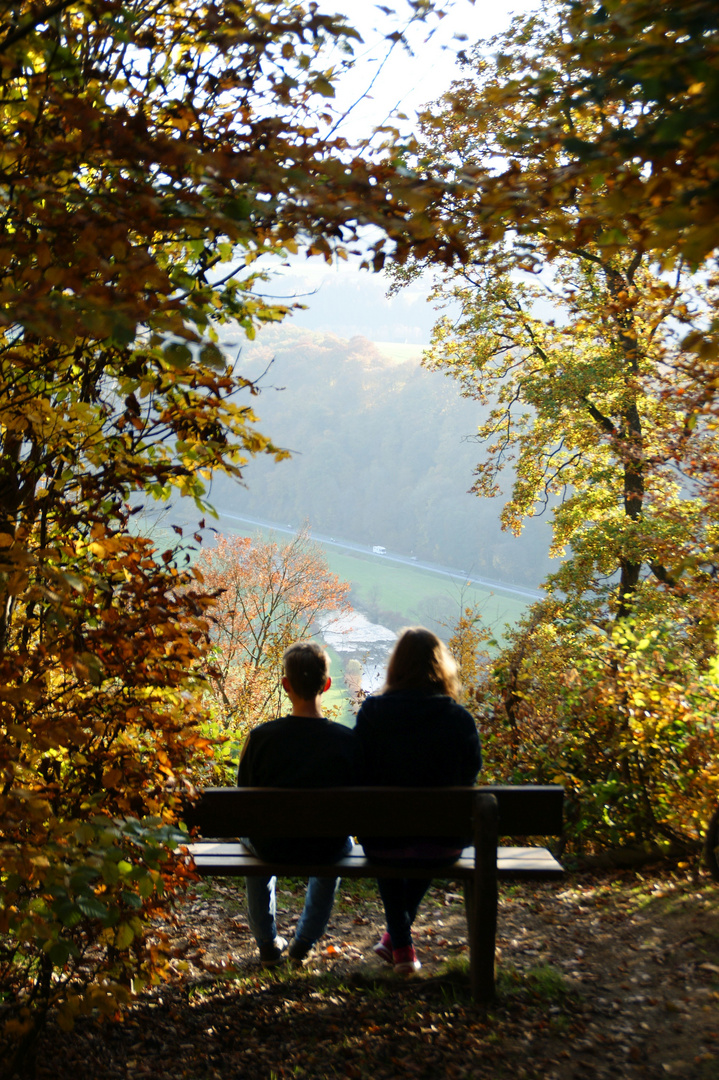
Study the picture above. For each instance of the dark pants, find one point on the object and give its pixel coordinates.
(401, 898)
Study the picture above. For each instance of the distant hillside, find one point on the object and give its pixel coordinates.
(382, 452)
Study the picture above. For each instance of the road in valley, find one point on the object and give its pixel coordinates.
(406, 560)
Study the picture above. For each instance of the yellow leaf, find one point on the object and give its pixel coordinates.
(124, 936)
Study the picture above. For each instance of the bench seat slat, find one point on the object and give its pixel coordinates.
(233, 859)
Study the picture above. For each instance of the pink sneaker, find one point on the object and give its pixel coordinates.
(383, 949)
(405, 960)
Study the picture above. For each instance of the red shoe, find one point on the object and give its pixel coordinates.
(383, 949)
(405, 960)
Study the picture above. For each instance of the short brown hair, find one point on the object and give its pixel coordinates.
(420, 661)
(307, 668)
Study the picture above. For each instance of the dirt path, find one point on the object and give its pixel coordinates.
(601, 977)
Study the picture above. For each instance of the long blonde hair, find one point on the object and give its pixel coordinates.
(420, 661)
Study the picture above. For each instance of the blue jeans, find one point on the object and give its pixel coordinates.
(262, 906)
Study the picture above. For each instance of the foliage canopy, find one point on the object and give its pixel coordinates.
(575, 336)
(152, 155)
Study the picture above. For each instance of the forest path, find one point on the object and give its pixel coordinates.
(610, 976)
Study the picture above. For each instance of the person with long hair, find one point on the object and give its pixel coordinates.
(414, 733)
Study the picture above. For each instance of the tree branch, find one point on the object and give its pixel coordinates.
(662, 574)
(603, 421)
(17, 35)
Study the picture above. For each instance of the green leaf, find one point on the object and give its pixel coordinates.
(322, 85)
(110, 873)
(61, 951)
(178, 355)
(131, 899)
(92, 907)
(212, 357)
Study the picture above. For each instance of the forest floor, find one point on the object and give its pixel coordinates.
(600, 976)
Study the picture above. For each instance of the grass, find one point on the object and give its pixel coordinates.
(668, 897)
(412, 592)
(456, 967)
(355, 890)
(336, 701)
(392, 594)
(407, 592)
(543, 981)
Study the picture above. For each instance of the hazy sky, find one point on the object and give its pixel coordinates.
(407, 82)
(343, 299)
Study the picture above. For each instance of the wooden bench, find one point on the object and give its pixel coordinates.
(484, 813)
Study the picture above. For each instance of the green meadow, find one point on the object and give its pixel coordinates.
(404, 594)
(416, 595)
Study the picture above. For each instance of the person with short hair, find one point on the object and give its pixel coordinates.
(414, 733)
(302, 749)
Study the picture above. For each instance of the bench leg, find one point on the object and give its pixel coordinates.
(480, 896)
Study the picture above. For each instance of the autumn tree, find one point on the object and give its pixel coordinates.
(151, 154)
(568, 347)
(641, 173)
(270, 594)
(574, 341)
(467, 646)
(649, 76)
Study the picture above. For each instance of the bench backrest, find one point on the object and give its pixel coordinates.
(526, 810)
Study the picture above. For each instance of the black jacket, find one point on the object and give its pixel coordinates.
(302, 752)
(413, 739)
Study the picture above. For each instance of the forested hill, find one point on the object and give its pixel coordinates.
(381, 454)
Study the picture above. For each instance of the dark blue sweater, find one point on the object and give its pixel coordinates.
(413, 739)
